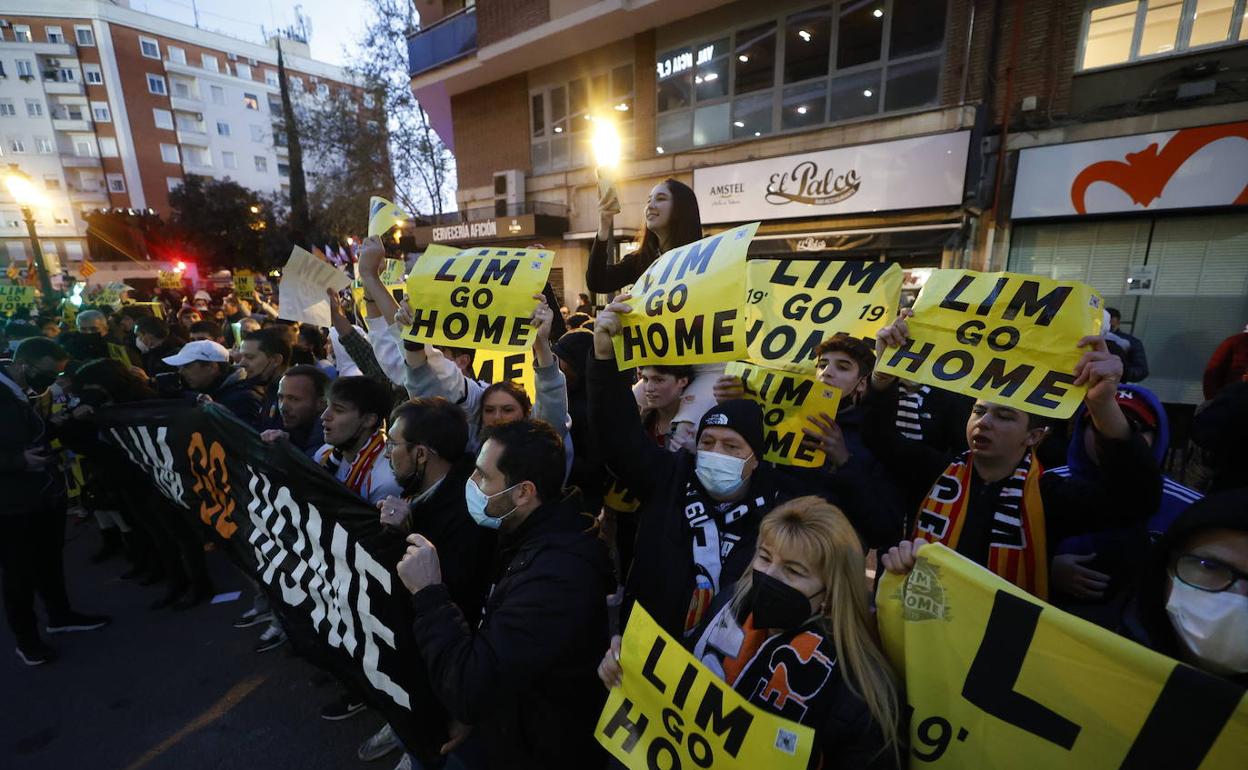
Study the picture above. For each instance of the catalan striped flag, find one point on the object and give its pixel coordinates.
(86, 269)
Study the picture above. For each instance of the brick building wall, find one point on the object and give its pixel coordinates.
(645, 95)
(1044, 63)
(500, 19)
(491, 131)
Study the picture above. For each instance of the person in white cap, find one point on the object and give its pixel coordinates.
(205, 368)
(201, 300)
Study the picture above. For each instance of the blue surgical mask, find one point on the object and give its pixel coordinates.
(721, 474)
(478, 501)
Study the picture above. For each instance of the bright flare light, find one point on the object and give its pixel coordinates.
(606, 145)
(21, 189)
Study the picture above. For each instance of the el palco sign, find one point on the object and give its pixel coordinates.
(922, 172)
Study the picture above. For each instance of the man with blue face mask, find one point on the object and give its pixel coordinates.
(524, 680)
(699, 514)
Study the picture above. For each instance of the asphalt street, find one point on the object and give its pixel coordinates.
(164, 689)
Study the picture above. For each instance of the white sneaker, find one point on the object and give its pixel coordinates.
(272, 638)
(405, 763)
(379, 744)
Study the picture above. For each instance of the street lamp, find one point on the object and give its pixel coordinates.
(24, 193)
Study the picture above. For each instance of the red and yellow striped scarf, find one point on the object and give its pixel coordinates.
(1017, 550)
(361, 467)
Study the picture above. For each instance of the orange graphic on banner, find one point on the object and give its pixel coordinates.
(216, 507)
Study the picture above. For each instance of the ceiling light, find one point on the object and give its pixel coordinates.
(877, 13)
(659, 150)
(866, 93)
(743, 58)
(558, 129)
(711, 76)
(801, 110)
(697, 79)
(738, 124)
(804, 35)
(621, 107)
(758, 133)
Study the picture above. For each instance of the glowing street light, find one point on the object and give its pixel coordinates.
(24, 193)
(255, 209)
(608, 149)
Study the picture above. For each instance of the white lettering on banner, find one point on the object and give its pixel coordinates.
(327, 583)
(920, 172)
(153, 455)
(465, 231)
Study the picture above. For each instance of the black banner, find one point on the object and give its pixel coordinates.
(319, 551)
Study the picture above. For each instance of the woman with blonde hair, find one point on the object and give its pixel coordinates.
(796, 638)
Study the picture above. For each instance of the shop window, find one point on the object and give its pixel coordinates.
(1117, 32)
(917, 27)
(859, 34)
(807, 44)
(911, 83)
(803, 106)
(711, 124)
(751, 116)
(561, 117)
(710, 79)
(754, 64)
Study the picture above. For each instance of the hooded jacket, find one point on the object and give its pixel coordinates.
(526, 677)
(26, 490)
(1118, 550)
(240, 395)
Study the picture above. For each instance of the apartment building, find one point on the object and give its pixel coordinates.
(103, 106)
(927, 133)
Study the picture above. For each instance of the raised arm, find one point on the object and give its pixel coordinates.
(372, 257)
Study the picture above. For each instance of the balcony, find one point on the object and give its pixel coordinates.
(69, 160)
(87, 196)
(192, 137)
(71, 124)
(61, 87)
(445, 41)
(186, 103)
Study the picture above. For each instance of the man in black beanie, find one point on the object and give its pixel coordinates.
(699, 514)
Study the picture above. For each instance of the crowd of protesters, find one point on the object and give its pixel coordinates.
(535, 524)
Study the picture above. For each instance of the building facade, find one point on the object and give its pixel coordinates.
(106, 107)
(866, 130)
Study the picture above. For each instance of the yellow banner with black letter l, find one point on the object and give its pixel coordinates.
(477, 298)
(671, 711)
(794, 304)
(996, 678)
(687, 306)
(14, 298)
(788, 401)
(1005, 337)
(244, 283)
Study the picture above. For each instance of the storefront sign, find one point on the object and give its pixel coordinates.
(501, 228)
(922, 172)
(465, 231)
(1188, 168)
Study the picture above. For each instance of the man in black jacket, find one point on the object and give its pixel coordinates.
(155, 343)
(266, 357)
(525, 679)
(32, 508)
(205, 368)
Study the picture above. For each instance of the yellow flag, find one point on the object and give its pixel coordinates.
(671, 711)
(997, 678)
(1005, 337)
(382, 215)
(788, 401)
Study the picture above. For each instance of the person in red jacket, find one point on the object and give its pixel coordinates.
(1229, 363)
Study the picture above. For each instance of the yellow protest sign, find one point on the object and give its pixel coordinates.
(110, 297)
(393, 272)
(792, 305)
(501, 366)
(244, 283)
(168, 279)
(14, 298)
(1005, 337)
(382, 215)
(477, 298)
(671, 711)
(119, 353)
(619, 498)
(788, 401)
(997, 678)
(687, 305)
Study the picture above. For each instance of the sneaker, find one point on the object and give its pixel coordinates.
(253, 617)
(380, 744)
(271, 639)
(35, 652)
(344, 707)
(405, 763)
(76, 621)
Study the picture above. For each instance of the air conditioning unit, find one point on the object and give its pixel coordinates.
(508, 192)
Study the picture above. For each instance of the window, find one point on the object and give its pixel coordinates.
(156, 85)
(16, 145)
(108, 147)
(84, 148)
(262, 164)
(163, 118)
(251, 101)
(561, 116)
(322, 90)
(93, 74)
(368, 101)
(6, 108)
(116, 183)
(51, 182)
(183, 88)
(55, 34)
(149, 48)
(296, 83)
(66, 75)
(242, 70)
(270, 78)
(229, 160)
(257, 133)
(25, 69)
(218, 94)
(1118, 32)
(169, 153)
(275, 104)
(283, 169)
(176, 55)
(172, 183)
(198, 157)
(209, 62)
(84, 35)
(223, 128)
(44, 145)
(99, 111)
(189, 122)
(34, 108)
(837, 61)
(21, 33)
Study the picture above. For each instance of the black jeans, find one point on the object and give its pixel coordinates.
(31, 561)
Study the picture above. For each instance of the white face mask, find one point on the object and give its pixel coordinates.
(478, 501)
(141, 345)
(720, 474)
(1213, 626)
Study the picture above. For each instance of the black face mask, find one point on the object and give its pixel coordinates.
(39, 380)
(93, 398)
(776, 604)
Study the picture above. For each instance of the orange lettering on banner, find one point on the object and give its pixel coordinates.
(216, 507)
